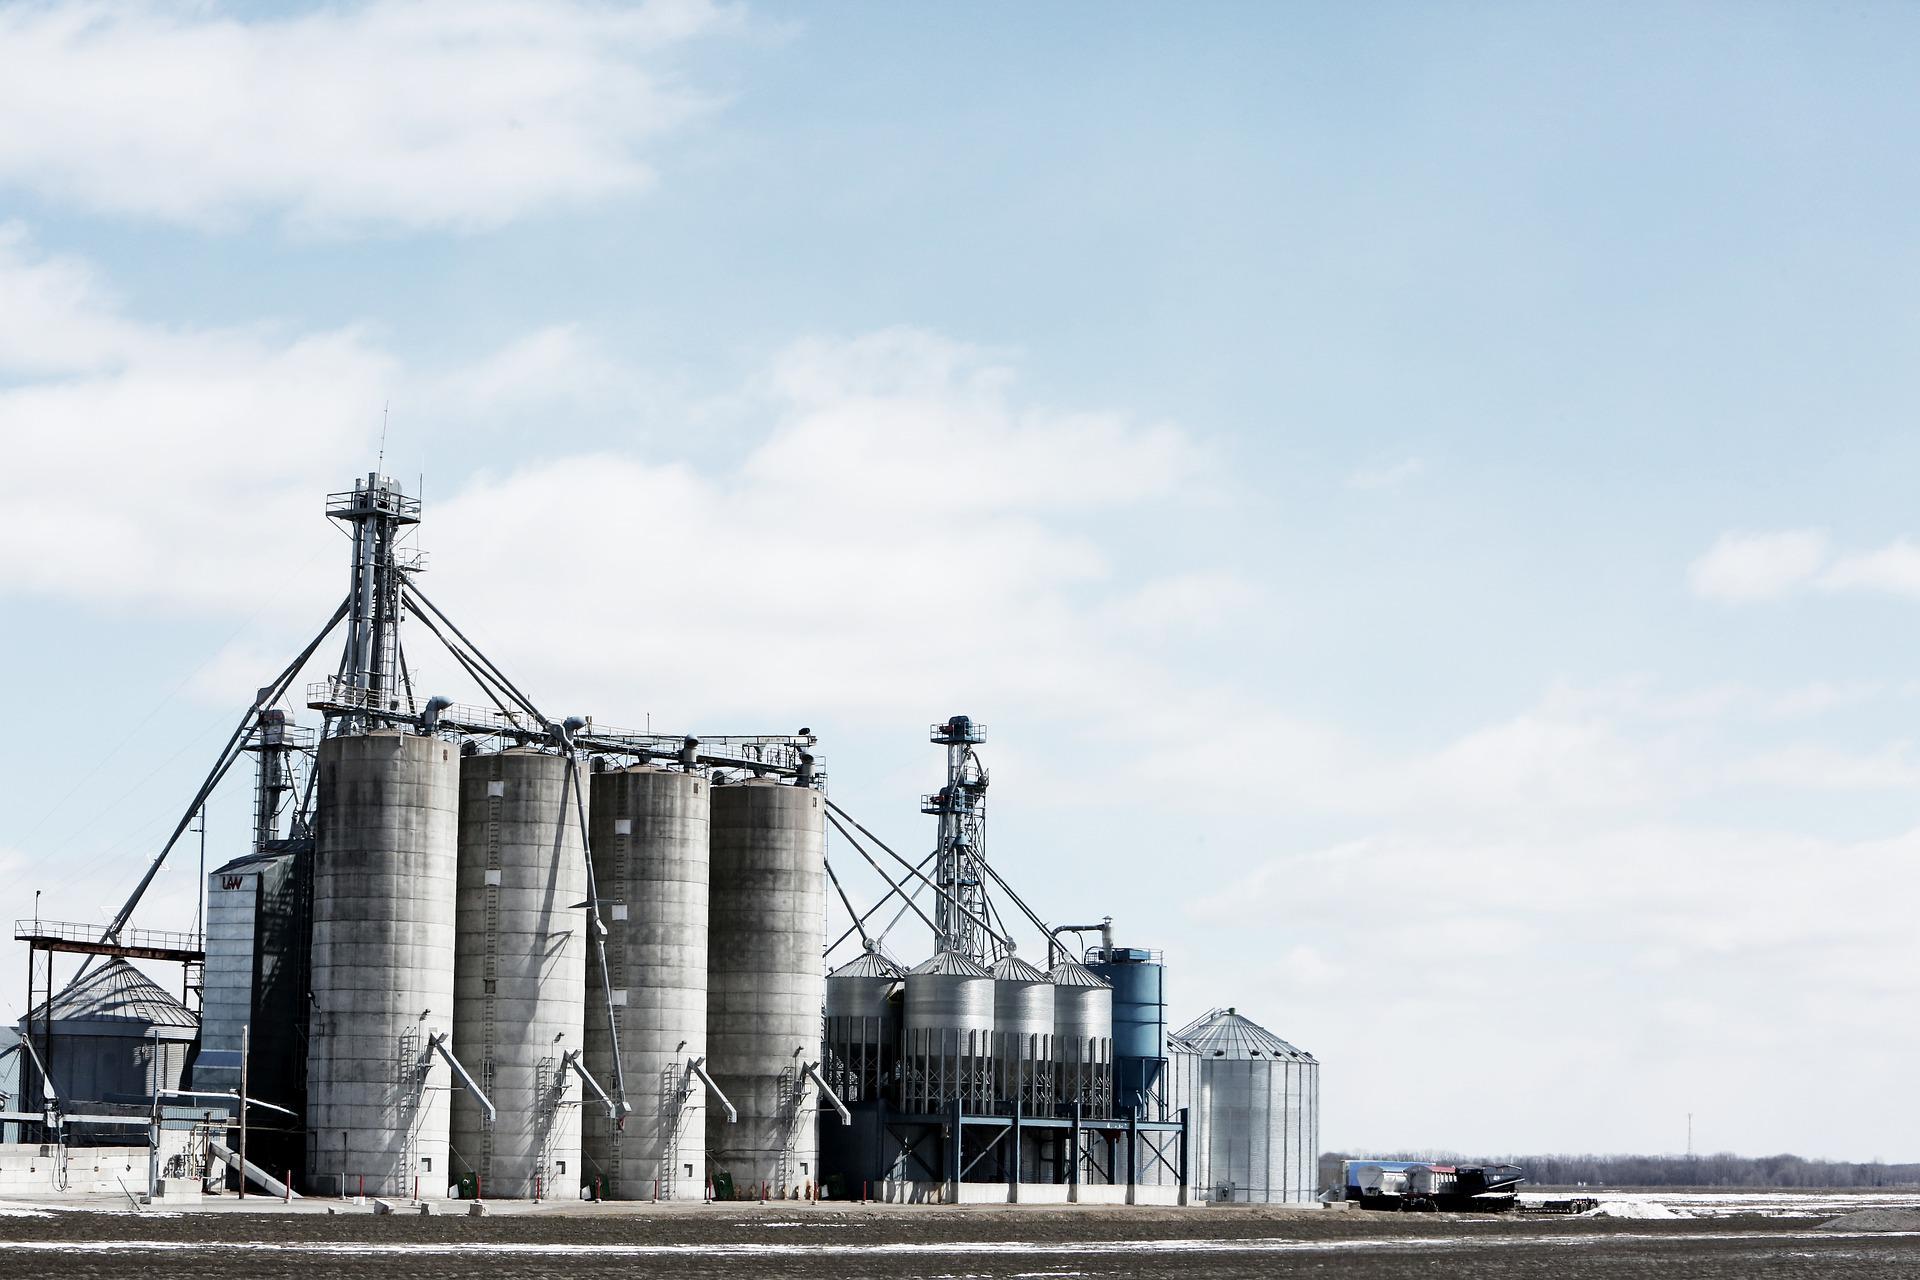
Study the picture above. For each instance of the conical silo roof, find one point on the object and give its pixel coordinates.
(1011, 968)
(868, 964)
(1226, 1033)
(1071, 973)
(950, 964)
(116, 999)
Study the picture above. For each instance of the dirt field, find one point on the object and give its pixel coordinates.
(745, 1243)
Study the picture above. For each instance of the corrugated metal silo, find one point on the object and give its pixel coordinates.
(863, 1031)
(766, 981)
(519, 972)
(1254, 1101)
(947, 1050)
(649, 831)
(104, 1028)
(383, 936)
(1083, 1038)
(1023, 999)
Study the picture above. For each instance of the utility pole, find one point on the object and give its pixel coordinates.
(244, 1031)
(200, 892)
(153, 1120)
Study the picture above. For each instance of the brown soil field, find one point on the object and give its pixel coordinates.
(851, 1243)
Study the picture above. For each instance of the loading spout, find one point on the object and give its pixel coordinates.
(438, 1044)
(812, 1072)
(572, 1063)
(250, 1171)
(698, 1066)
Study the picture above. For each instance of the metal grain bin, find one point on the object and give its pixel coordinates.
(947, 1049)
(863, 1026)
(1255, 1112)
(1083, 1038)
(1139, 1024)
(1023, 1016)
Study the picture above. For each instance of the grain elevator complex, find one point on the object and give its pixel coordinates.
(476, 949)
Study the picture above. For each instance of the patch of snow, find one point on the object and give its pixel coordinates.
(1644, 1210)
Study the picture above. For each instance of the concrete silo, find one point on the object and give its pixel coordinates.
(1254, 1104)
(766, 981)
(519, 973)
(649, 831)
(382, 983)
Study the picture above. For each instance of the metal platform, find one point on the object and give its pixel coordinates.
(98, 940)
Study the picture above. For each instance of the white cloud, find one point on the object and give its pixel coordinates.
(1743, 567)
(398, 114)
(904, 528)
(1747, 567)
(1892, 570)
(141, 444)
(1387, 477)
(1820, 767)
(890, 517)
(1637, 952)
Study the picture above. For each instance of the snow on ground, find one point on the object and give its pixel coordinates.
(1646, 1210)
(1723, 1204)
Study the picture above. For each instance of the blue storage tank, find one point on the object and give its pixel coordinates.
(1139, 1022)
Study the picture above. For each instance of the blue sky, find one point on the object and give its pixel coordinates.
(1413, 490)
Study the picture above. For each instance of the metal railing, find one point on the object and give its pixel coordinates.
(74, 931)
(742, 751)
(363, 499)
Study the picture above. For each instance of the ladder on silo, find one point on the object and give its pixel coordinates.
(794, 1088)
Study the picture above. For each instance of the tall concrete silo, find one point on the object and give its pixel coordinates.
(383, 941)
(766, 980)
(1254, 1112)
(947, 1050)
(1083, 1038)
(649, 831)
(519, 972)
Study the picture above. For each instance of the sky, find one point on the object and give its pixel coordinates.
(1418, 495)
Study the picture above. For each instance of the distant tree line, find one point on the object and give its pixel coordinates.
(1721, 1170)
